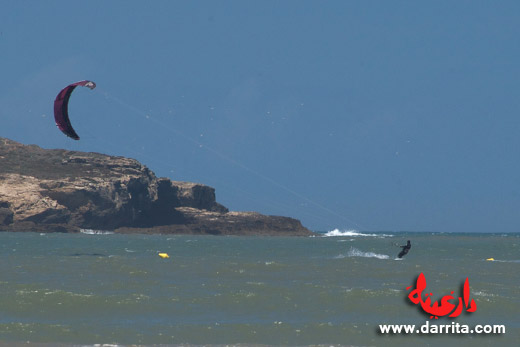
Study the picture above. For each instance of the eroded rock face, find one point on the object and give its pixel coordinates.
(88, 190)
(229, 223)
(6, 215)
(58, 190)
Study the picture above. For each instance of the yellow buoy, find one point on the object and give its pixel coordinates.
(490, 259)
(164, 255)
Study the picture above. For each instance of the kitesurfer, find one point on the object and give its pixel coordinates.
(404, 250)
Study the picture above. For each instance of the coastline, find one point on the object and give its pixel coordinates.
(55, 190)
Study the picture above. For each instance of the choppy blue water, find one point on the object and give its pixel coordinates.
(90, 288)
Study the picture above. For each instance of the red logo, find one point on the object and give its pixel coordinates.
(445, 308)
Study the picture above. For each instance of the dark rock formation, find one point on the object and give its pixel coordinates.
(65, 191)
(6, 215)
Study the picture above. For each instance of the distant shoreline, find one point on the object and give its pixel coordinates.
(55, 190)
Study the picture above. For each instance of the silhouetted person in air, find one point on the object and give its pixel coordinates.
(405, 249)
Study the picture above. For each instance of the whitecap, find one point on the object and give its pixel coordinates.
(95, 232)
(483, 294)
(352, 233)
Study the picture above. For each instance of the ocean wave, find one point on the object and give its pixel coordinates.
(354, 252)
(506, 261)
(95, 232)
(483, 294)
(351, 233)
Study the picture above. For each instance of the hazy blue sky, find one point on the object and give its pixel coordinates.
(371, 115)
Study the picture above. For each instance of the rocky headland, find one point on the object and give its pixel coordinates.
(55, 190)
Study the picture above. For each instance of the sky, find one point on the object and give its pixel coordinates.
(365, 115)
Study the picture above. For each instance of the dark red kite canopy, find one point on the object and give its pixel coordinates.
(61, 113)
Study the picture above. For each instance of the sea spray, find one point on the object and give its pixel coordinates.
(353, 233)
(354, 252)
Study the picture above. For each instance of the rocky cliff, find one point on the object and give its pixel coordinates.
(54, 190)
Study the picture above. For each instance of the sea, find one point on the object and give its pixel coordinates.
(334, 289)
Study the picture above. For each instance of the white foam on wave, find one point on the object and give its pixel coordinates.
(483, 294)
(353, 233)
(95, 232)
(354, 252)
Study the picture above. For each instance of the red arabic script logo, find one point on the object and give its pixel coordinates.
(445, 307)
